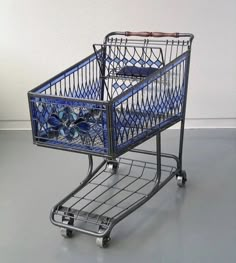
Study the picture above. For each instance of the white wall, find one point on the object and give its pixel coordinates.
(41, 38)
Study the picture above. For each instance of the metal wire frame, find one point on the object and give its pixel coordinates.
(107, 198)
(118, 53)
(135, 107)
(85, 208)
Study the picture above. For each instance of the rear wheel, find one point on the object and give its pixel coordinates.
(181, 178)
(112, 166)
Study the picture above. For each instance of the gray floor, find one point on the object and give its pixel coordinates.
(195, 224)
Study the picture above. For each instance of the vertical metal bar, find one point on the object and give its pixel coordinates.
(181, 141)
(103, 69)
(186, 74)
(90, 168)
(109, 114)
(158, 156)
(31, 117)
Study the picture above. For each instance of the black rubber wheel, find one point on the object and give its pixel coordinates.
(67, 219)
(67, 233)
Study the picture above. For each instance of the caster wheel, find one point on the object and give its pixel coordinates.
(103, 242)
(181, 179)
(112, 166)
(67, 233)
(67, 220)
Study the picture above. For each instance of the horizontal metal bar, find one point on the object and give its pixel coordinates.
(138, 42)
(149, 34)
(78, 142)
(162, 127)
(82, 230)
(166, 155)
(146, 162)
(117, 188)
(88, 217)
(117, 44)
(46, 96)
(96, 201)
(63, 148)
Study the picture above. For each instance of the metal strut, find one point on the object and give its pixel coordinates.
(158, 156)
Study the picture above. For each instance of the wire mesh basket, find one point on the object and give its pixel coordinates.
(128, 90)
(114, 99)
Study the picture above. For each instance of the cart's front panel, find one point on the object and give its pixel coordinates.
(69, 124)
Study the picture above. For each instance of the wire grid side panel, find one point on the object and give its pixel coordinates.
(83, 81)
(151, 106)
(70, 124)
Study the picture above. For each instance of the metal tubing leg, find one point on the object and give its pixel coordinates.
(90, 168)
(181, 141)
(158, 156)
(184, 112)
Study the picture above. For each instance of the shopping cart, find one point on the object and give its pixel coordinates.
(133, 87)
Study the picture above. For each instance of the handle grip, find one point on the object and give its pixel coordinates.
(151, 34)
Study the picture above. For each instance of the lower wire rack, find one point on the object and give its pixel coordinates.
(111, 193)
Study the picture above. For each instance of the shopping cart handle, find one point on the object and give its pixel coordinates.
(151, 34)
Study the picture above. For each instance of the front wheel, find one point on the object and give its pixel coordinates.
(103, 242)
(67, 220)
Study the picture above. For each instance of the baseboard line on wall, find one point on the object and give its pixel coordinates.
(18, 125)
(191, 123)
